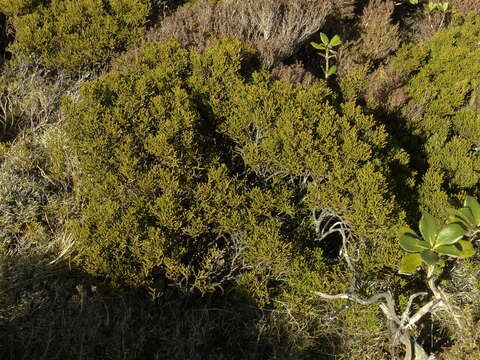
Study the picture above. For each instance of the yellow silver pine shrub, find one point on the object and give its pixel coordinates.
(201, 171)
(160, 200)
(442, 77)
(75, 35)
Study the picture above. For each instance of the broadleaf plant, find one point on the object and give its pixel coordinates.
(327, 45)
(468, 215)
(451, 239)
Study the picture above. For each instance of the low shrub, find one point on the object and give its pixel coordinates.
(377, 37)
(76, 36)
(20, 7)
(163, 203)
(199, 173)
(441, 114)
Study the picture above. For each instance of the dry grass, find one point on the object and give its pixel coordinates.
(58, 313)
(36, 198)
(465, 6)
(30, 99)
(277, 28)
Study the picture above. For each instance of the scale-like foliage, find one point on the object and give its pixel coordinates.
(159, 202)
(443, 85)
(74, 35)
(189, 168)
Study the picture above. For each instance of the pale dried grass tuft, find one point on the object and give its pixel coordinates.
(277, 28)
(465, 6)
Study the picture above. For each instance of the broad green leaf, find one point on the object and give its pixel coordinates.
(410, 263)
(332, 70)
(465, 217)
(450, 250)
(474, 207)
(411, 243)
(450, 234)
(335, 41)
(428, 228)
(324, 39)
(466, 249)
(429, 257)
(318, 46)
(407, 230)
(467, 213)
(431, 6)
(461, 249)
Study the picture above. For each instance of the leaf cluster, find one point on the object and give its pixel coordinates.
(328, 45)
(436, 240)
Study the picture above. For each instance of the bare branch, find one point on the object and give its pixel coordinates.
(406, 313)
(424, 310)
(371, 300)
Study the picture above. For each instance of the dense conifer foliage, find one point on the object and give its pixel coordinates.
(442, 84)
(72, 35)
(179, 179)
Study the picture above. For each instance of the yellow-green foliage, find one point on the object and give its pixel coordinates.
(73, 35)
(19, 7)
(194, 172)
(333, 155)
(160, 201)
(443, 111)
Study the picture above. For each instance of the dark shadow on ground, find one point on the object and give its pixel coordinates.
(64, 314)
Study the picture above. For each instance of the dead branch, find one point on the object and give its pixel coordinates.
(398, 326)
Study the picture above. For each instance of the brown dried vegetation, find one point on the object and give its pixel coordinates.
(378, 37)
(295, 74)
(426, 25)
(277, 28)
(465, 6)
(385, 89)
(345, 9)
